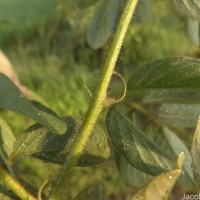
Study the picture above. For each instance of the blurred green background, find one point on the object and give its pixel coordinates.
(46, 43)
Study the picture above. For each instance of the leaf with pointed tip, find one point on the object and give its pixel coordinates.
(188, 8)
(167, 73)
(85, 3)
(193, 31)
(95, 192)
(196, 154)
(130, 174)
(135, 145)
(143, 11)
(12, 99)
(103, 22)
(160, 187)
(43, 144)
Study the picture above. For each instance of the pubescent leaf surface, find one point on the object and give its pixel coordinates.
(39, 142)
(167, 73)
(170, 80)
(13, 99)
(135, 146)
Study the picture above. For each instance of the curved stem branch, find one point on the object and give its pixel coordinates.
(97, 102)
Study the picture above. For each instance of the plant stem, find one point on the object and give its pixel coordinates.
(97, 103)
(14, 186)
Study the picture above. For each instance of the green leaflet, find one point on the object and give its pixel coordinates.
(193, 31)
(130, 174)
(172, 96)
(143, 11)
(177, 146)
(135, 146)
(188, 8)
(167, 73)
(196, 154)
(12, 99)
(85, 3)
(103, 22)
(7, 138)
(95, 192)
(178, 115)
(37, 141)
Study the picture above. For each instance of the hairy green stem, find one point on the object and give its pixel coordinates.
(13, 185)
(97, 103)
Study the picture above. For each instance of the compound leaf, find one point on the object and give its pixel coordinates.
(39, 142)
(135, 145)
(103, 22)
(12, 99)
(188, 8)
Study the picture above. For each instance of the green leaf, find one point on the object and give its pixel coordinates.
(43, 144)
(12, 99)
(103, 22)
(95, 192)
(193, 31)
(188, 8)
(171, 96)
(83, 4)
(196, 154)
(7, 138)
(160, 187)
(135, 145)
(143, 11)
(167, 73)
(177, 146)
(178, 115)
(130, 174)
